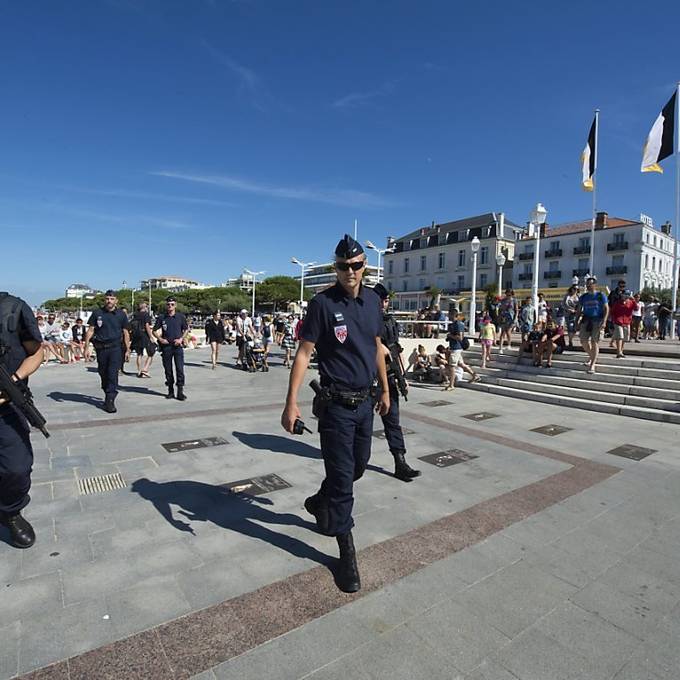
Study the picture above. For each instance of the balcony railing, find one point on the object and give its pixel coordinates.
(580, 272)
(582, 250)
(552, 274)
(525, 276)
(526, 256)
(553, 252)
(617, 245)
(617, 269)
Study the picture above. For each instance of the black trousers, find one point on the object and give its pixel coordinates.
(16, 461)
(174, 353)
(346, 448)
(109, 362)
(393, 433)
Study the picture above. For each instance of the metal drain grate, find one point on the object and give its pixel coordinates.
(100, 484)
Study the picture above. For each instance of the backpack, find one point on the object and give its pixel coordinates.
(136, 328)
(9, 325)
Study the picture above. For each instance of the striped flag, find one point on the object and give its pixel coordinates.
(589, 159)
(660, 143)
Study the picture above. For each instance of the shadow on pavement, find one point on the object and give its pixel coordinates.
(240, 512)
(278, 444)
(139, 390)
(79, 398)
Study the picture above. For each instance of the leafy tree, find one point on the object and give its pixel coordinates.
(280, 290)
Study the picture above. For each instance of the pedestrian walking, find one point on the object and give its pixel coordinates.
(570, 307)
(507, 315)
(343, 324)
(638, 313)
(487, 338)
(593, 311)
(389, 337)
(108, 331)
(21, 356)
(215, 335)
(170, 329)
(142, 340)
(622, 317)
(288, 340)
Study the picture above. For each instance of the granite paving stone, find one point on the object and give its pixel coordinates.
(9, 649)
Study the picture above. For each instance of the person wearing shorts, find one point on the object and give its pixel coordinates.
(507, 314)
(487, 337)
(622, 317)
(593, 310)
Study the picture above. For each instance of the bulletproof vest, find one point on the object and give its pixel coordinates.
(11, 350)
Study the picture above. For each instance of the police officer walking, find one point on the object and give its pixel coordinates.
(106, 326)
(170, 329)
(392, 350)
(21, 355)
(343, 324)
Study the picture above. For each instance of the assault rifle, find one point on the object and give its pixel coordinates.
(395, 372)
(19, 395)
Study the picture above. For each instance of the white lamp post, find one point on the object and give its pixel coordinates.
(303, 266)
(254, 275)
(381, 252)
(500, 261)
(474, 246)
(537, 218)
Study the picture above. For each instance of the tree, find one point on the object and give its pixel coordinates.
(280, 290)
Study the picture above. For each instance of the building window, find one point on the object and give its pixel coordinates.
(441, 261)
(389, 285)
(423, 263)
(484, 255)
(647, 239)
(653, 263)
(646, 261)
(619, 238)
(617, 260)
(461, 258)
(390, 266)
(461, 282)
(554, 246)
(654, 241)
(553, 266)
(483, 280)
(528, 250)
(406, 265)
(552, 284)
(584, 242)
(404, 285)
(583, 264)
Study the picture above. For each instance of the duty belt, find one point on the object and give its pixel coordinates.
(106, 345)
(346, 398)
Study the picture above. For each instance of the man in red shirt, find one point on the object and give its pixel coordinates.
(622, 316)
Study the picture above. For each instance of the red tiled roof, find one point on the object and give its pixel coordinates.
(585, 225)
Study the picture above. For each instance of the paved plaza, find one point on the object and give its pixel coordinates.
(540, 543)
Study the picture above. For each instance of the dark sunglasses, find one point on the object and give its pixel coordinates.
(346, 266)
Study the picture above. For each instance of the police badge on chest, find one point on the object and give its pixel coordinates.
(341, 333)
(100, 321)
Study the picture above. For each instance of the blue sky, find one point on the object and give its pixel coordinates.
(148, 137)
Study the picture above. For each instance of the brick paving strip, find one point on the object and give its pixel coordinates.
(198, 641)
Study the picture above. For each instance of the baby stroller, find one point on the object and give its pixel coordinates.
(255, 358)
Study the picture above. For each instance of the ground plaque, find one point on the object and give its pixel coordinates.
(175, 447)
(551, 430)
(484, 415)
(436, 402)
(380, 434)
(632, 451)
(446, 458)
(257, 486)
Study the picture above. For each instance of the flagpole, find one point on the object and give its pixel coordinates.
(676, 262)
(595, 183)
(355, 230)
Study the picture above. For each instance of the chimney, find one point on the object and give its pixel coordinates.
(667, 228)
(601, 220)
(544, 229)
(501, 225)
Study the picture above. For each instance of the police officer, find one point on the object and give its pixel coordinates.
(21, 355)
(106, 326)
(170, 329)
(392, 350)
(343, 324)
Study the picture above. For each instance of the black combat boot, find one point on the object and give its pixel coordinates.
(109, 405)
(20, 531)
(402, 470)
(347, 576)
(314, 506)
(171, 393)
(180, 393)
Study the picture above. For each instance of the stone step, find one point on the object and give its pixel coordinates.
(575, 402)
(585, 391)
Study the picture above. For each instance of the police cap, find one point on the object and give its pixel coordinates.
(348, 248)
(382, 292)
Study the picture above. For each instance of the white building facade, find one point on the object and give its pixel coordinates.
(318, 277)
(173, 284)
(76, 290)
(441, 256)
(632, 250)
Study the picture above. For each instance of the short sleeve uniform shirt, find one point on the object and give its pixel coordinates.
(27, 330)
(108, 326)
(174, 326)
(344, 331)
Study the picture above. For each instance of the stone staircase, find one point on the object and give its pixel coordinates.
(634, 387)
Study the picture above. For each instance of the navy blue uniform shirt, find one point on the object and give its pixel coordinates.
(174, 327)
(344, 331)
(108, 326)
(27, 329)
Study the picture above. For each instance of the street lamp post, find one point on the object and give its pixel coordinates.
(474, 246)
(500, 261)
(254, 275)
(303, 266)
(381, 252)
(537, 218)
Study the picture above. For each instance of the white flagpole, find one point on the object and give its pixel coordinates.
(676, 261)
(355, 230)
(595, 183)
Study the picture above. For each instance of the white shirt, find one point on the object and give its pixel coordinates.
(640, 309)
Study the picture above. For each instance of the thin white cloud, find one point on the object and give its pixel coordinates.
(123, 193)
(344, 197)
(354, 99)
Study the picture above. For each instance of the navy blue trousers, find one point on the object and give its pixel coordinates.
(169, 354)
(346, 448)
(16, 461)
(393, 433)
(109, 362)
